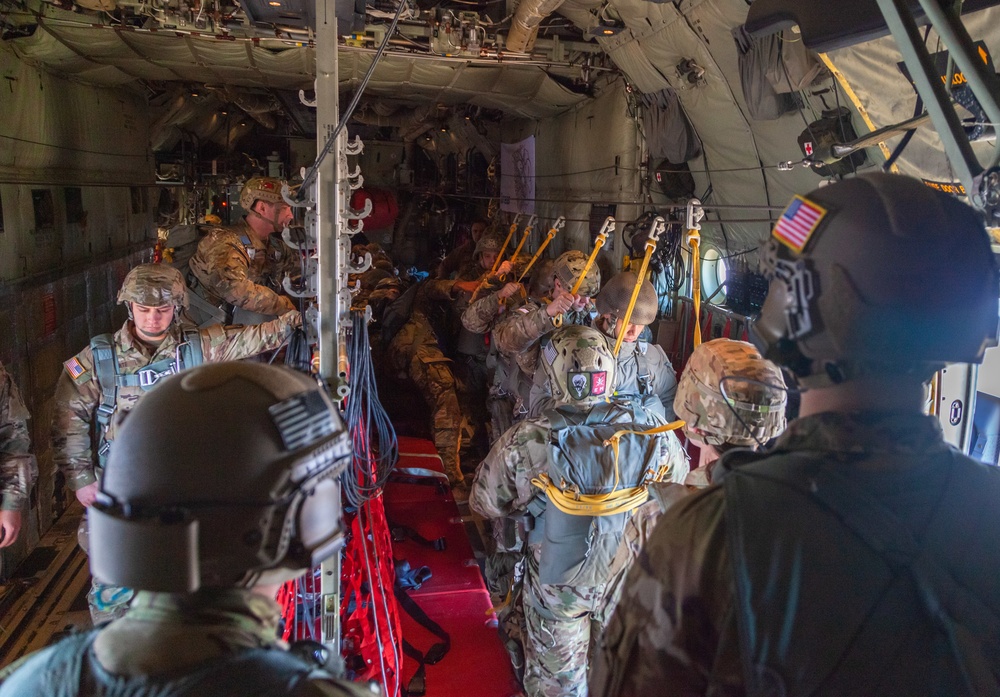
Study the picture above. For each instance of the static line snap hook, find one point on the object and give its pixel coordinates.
(695, 214)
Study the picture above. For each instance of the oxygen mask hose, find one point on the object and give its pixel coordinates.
(656, 229)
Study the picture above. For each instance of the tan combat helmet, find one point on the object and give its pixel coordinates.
(729, 395)
(154, 285)
(568, 267)
(615, 295)
(487, 244)
(267, 189)
(579, 365)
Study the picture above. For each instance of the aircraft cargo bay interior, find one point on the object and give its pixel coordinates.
(499, 347)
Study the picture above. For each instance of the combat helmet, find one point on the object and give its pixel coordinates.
(614, 298)
(579, 365)
(154, 285)
(729, 395)
(487, 244)
(248, 495)
(876, 274)
(568, 267)
(267, 189)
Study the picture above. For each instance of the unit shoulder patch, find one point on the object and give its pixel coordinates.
(798, 223)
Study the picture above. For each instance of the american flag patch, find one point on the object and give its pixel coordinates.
(74, 368)
(797, 224)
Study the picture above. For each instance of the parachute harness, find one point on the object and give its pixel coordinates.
(616, 501)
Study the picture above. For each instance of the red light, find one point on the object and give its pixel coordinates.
(224, 204)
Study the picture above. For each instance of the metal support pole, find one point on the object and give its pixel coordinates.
(329, 252)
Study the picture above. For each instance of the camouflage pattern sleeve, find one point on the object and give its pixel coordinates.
(77, 398)
(522, 329)
(438, 291)
(480, 315)
(221, 265)
(502, 485)
(18, 469)
(232, 343)
(664, 635)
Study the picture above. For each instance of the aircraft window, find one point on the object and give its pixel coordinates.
(713, 276)
(45, 214)
(74, 205)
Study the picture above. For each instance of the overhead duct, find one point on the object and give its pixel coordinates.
(524, 25)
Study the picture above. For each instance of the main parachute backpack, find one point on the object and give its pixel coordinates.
(600, 465)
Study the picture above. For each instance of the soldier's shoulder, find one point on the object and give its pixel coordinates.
(217, 236)
(80, 368)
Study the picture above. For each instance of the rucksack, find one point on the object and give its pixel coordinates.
(600, 463)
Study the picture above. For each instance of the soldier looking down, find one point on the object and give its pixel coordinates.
(180, 518)
(241, 267)
(108, 377)
(857, 555)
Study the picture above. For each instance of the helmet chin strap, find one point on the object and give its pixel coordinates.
(273, 222)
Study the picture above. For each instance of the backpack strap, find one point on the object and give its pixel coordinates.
(106, 368)
(967, 627)
(643, 374)
(191, 355)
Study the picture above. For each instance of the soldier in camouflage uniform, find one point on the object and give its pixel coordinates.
(237, 270)
(417, 351)
(188, 534)
(463, 255)
(18, 469)
(846, 559)
(517, 337)
(150, 345)
(643, 368)
(560, 617)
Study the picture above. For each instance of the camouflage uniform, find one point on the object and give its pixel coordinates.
(234, 268)
(675, 625)
(635, 357)
(417, 352)
(18, 469)
(78, 396)
(560, 619)
(164, 636)
(518, 336)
